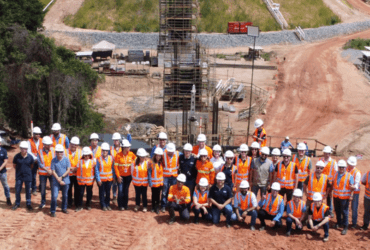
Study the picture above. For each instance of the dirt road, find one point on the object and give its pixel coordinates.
(360, 5)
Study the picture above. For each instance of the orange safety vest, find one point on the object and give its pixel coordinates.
(242, 172)
(343, 191)
(354, 172)
(113, 151)
(296, 211)
(205, 170)
(174, 194)
(106, 169)
(96, 152)
(209, 150)
(246, 202)
(286, 175)
(302, 167)
(122, 163)
(46, 159)
(157, 175)
(34, 148)
(315, 185)
(275, 206)
(140, 174)
(319, 215)
(263, 143)
(329, 169)
(74, 159)
(85, 175)
(171, 166)
(367, 185)
(61, 140)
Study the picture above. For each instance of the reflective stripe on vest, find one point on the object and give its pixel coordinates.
(296, 212)
(303, 172)
(169, 171)
(342, 192)
(74, 158)
(331, 169)
(318, 215)
(140, 174)
(156, 178)
(246, 202)
(319, 186)
(86, 180)
(34, 148)
(282, 176)
(354, 172)
(275, 206)
(42, 155)
(61, 140)
(96, 152)
(201, 199)
(242, 176)
(106, 176)
(367, 186)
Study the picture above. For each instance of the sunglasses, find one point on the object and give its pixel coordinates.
(254, 149)
(229, 158)
(320, 168)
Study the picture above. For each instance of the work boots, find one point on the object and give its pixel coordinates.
(172, 216)
(344, 232)
(8, 202)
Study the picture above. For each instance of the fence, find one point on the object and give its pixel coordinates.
(275, 12)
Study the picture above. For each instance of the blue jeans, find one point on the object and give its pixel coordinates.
(342, 210)
(366, 211)
(289, 222)
(252, 213)
(329, 202)
(216, 214)
(354, 207)
(18, 190)
(55, 190)
(123, 188)
(34, 175)
(325, 226)
(167, 183)
(43, 180)
(300, 185)
(104, 193)
(114, 189)
(208, 216)
(255, 189)
(4, 182)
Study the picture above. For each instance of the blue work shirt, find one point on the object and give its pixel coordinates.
(220, 195)
(3, 157)
(60, 167)
(285, 145)
(66, 142)
(23, 166)
(281, 208)
(187, 167)
(288, 211)
(97, 168)
(351, 180)
(228, 171)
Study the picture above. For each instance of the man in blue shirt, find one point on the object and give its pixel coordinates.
(60, 166)
(23, 164)
(286, 144)
(187, 167)
(3, 175)
(57, 137)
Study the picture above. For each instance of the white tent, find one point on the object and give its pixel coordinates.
(104, 46)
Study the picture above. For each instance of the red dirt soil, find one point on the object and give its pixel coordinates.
(360, 5)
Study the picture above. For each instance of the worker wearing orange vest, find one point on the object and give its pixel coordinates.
(202, 145)
(85, 177)
(34, 146)
(245, 203)
(104, 175)
(330, 169)
(365, 180)
(319, 215)
(95, 149)
(343, 186)
(114, 150)
(162, 139)
(139, 173)
(74, 155)
(57, 137)
(122, 168)
(201, 203)
(243, 166)
(271, 207)
(44, 161)
(287, 175)
(303, 163)
(260, 135)
(296, 210)
(178, 199)
(205, 168)
(155, 174)
(356, 174)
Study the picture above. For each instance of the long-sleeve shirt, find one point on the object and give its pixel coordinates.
(253, 199)
(29, 148)
(187, 167)
(66, 142)
(175, 194)
(281, 208)
(285, 145)
(97, 169)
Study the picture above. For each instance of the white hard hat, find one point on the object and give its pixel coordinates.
(181, 178)
(327, 149)
(275, 186)
(94, 136)
(320, 164)
(125, 143)
(75, 140)
(171, 147)
(276, 151)
(203, 182)
(59, 148)
(188, 147)
(217, 147)
(265, 150)
(229, 154)
(23, 144)
(317, 197)
(342, 164)
(116, 136)
(352, 160)
(86, 151)
(244, 184)
(301, 146)
(203, 152)
(158, 151)
(36, 130)
(255, 145)
(141, 152)
(287, 152)
(201, 137)
(105, 146)
(297, 193)
(47, 140)
(258, 123)
(56, 126)
(220, 176)
(244, 148)
(162, 135)
(287, 138)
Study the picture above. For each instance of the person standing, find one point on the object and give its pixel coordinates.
(365, 180)
(330, 169)
(229, 170)
(205, 168)
(34, 146)
(296, 210)
(303, 164)
(57, 137)
(187, 167)
(74, 154)
(23, 164)
(3, 175)
(286, 144)
(60, 166)
(217, 160)
(201, 201)
(95, 149)
(287, 175)
(85, 177)
(178, 199)
(139, 173)
(319, 216)
(262, 170)
(255, 150)
(162, 138)
(104, 175)
(155, 178)
(202, 145)
(356, 174)
(275, 154)
(243, 166)
(260, 135)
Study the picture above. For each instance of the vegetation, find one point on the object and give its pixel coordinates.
(266, 56)
(357, 43)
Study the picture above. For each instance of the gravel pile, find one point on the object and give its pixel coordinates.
(352, 55)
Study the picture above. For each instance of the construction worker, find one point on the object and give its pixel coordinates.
(3, 175)
(319, 215)
(162, 138)
(287, 175)
(229, 170)
(104, 175)
(155, 178)
(60, 166)
(296, 210)
(187, 167)
(245, 203)
(243, 166)
(220, 197)
(260, 135)
(115, 148)
(95, 149)
(286, 144)
(74, 154)
(23, 164)
(205, 167)
(356, 174)
(365, 180)
(170, 171)
(262, 171)
(255, 150)
(316, 182)
(139, 173)
(201, 203)
(122, 168)
(85, 177)
(275, 154)
(57, 137)
(303, 164)
(271, 207)
(330, 169)
(217, 160)
(178, 199)
(343, 185)
(44, 161)
(202, 145)
(34, 146)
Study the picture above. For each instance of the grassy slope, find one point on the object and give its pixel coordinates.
(45, 2)
(143, 15)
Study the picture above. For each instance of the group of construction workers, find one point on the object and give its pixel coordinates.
(199, 179)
